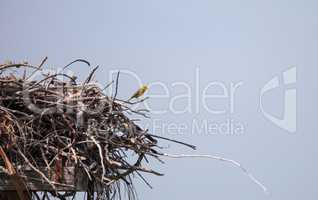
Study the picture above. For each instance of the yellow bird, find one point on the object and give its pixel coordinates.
(139, 92)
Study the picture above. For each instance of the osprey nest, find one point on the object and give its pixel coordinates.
(59, 137)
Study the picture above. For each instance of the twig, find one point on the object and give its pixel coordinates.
(36, 170)
(175, 141)
(237, 164)
(77, 60)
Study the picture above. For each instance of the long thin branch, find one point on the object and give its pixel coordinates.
(175, 141)
(237, 164)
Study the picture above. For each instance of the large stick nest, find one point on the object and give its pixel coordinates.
(53, 122)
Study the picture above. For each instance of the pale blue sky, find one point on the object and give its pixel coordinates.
(229, 42)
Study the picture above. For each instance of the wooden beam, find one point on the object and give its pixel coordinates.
(72, 180)
(9, 195)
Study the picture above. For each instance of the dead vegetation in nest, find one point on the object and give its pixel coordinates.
(53, 123)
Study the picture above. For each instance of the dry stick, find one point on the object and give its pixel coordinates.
(116, 89)
(42, 63)
(88, 79)
(18, 65)
(86, 170)
(36, 195)
(109, 84)
(101, 156)
(58, 153)
(132, 103)
(38, 68)
(36, 170)
(48, 77)
(77, 60)
(91, 75)
(175, 141)
(237, 164)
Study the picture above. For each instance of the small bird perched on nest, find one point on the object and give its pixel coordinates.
(139, 92)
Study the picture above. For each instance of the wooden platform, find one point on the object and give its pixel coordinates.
(72, 179)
